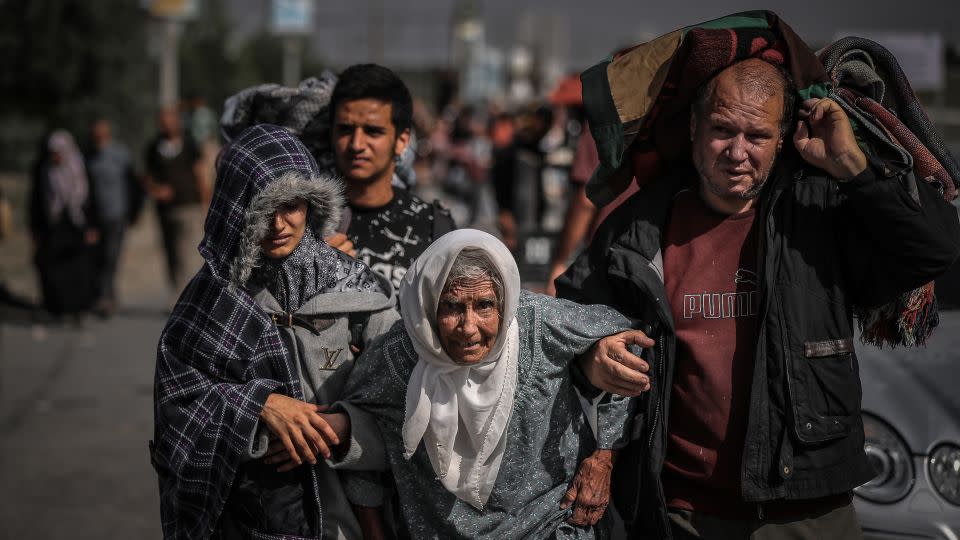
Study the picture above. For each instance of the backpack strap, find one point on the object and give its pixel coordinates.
(357, 321)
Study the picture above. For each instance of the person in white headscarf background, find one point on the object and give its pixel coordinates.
(63, 226)
(474, 401)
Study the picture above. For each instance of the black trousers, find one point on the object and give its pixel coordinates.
(111, 244)
(838, 523)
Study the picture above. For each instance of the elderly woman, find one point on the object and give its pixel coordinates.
(472, 394)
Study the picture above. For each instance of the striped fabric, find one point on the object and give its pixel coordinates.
(302, 109)
(871, 86)
(219, 356)
(869, 78)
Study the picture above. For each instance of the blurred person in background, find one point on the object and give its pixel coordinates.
(200, 124)
(174, 180)
(200, 120)
(463, 161)
(583, 217)
(390, 227)
(424, 124)
(503, 130)
(516, 176)
(63, 225)
(119, 199)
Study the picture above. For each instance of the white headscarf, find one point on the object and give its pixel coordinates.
(68, 179)
(460, 412)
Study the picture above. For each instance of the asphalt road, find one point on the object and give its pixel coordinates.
(75, 418)
(76, 403)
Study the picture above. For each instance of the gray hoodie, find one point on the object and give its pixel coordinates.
(322, 303)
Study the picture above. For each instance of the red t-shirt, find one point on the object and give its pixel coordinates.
(710, 270)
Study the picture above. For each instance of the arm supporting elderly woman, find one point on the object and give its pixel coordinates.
(589, 493)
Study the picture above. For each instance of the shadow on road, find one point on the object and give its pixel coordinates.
(18, 311)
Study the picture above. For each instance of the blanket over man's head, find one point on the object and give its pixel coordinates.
(638, 105)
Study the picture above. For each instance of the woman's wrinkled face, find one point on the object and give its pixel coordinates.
(468, 317)
(286, 230)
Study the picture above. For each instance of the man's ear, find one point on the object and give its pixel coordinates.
(401, 143)
(693, 123)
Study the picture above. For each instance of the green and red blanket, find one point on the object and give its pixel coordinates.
(638, 105)
(638, 100)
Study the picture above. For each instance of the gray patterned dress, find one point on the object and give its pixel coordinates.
(548, 433)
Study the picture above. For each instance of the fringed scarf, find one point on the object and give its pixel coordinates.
(870, 84)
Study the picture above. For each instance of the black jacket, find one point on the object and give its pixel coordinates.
(824, 247)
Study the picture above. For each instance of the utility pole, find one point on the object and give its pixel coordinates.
(292, 60)
(169, 91)
(292, 20)
(169, 15)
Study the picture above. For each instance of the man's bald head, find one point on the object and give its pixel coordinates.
(758, 79)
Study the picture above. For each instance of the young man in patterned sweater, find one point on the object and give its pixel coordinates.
(389, 227)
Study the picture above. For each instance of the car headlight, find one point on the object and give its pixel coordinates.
(944, 466)
(890, 457)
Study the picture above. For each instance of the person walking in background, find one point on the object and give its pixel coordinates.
(200, 125)
(174, 181)
(118, 201)
(62, 222)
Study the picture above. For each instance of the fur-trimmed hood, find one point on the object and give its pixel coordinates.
(263, 168)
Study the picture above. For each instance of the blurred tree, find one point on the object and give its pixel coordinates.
(67, 62)
(214, 66)
(206, 67)
(263, 55)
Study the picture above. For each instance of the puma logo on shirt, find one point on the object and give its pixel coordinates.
(725, 305)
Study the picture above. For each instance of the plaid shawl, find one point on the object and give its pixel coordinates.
(638, 101)
(870, 85)
(219, 356)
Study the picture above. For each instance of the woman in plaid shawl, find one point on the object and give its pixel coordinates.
(264, 331)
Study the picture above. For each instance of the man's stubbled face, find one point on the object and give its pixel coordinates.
(736, 139)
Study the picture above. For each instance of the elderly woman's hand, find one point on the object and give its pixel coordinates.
(612, 368)
(590, 491)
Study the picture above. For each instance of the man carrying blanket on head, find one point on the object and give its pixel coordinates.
(761, 229)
